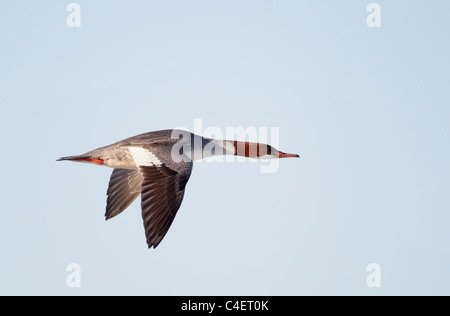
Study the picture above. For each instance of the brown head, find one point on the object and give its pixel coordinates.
(259, 150)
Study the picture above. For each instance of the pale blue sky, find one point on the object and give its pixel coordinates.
(366, 108)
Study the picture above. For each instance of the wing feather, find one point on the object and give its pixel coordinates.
(124, 187)
(162, 194)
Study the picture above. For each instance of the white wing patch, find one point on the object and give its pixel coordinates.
(144, 157)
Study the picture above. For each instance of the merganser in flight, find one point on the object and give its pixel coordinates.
(158, 165)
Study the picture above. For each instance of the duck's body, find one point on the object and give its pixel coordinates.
(158, 165)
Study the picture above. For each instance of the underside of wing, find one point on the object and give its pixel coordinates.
(124, 188)
(162, 194)
(161, 182)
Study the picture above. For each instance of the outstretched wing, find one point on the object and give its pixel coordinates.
(162, 194)
(163, 186)
(124, 187)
